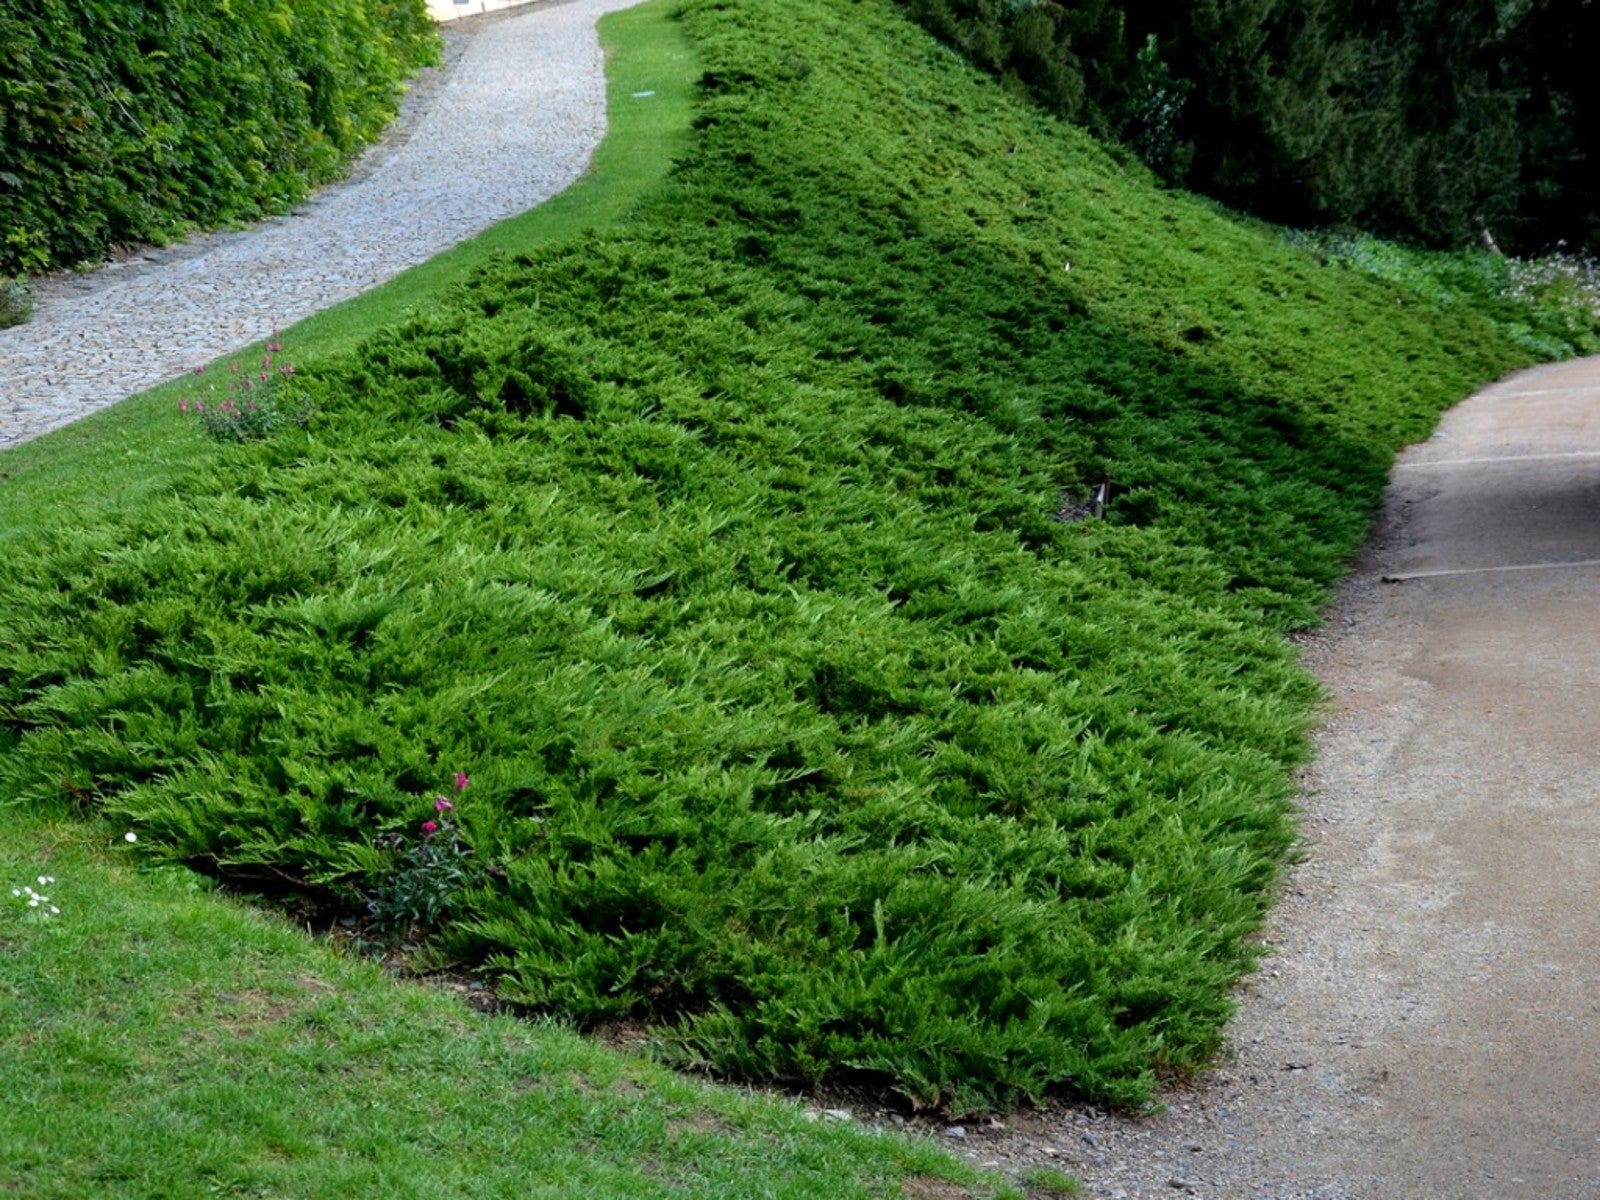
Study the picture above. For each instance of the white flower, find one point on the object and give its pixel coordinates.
(54, 911)
(130, 836)
(16, 891)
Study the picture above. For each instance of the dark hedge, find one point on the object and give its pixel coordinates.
(126, 122)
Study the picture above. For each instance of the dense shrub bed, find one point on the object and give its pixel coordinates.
(123, 122)
(722, 553)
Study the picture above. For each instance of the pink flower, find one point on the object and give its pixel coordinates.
(430, 827)
(199, 370)
(266, 361)
(183, 406)
(461, 782)
(441, 805)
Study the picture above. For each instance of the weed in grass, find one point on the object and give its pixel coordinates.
(257, 402)
(1051, 1182)
(37, 903)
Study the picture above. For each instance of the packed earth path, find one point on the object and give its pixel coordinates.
(511, 120)
(1427, 1023)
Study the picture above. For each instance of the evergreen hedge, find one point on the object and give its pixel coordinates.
(124, 122)
(1430, 120)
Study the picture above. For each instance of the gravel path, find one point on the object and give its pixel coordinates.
(510, 121)
(1427, 1026)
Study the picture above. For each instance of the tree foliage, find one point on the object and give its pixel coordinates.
(1428, 119)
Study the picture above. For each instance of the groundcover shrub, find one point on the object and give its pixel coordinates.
(124, 122)
(722, 553)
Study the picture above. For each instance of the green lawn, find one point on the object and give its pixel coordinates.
(165, 1042)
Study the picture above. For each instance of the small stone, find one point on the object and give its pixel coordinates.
(956, 1131)
(838, 1114)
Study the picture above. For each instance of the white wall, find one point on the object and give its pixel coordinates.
(448, 10)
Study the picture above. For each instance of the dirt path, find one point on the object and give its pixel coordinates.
(1428, 1027)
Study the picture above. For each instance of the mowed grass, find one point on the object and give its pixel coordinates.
(164, 1043)
(720, 547)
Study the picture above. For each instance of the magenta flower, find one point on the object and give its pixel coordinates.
(430, 827)
(461, 782)
(183, 406)
(441, 805)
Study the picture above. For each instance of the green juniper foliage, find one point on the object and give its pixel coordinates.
(724, 547)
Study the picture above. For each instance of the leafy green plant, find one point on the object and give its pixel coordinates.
(1550, 305)
(422, 879)
(16, 301)
(256, 402)
(126, 122)
(1564, 288)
